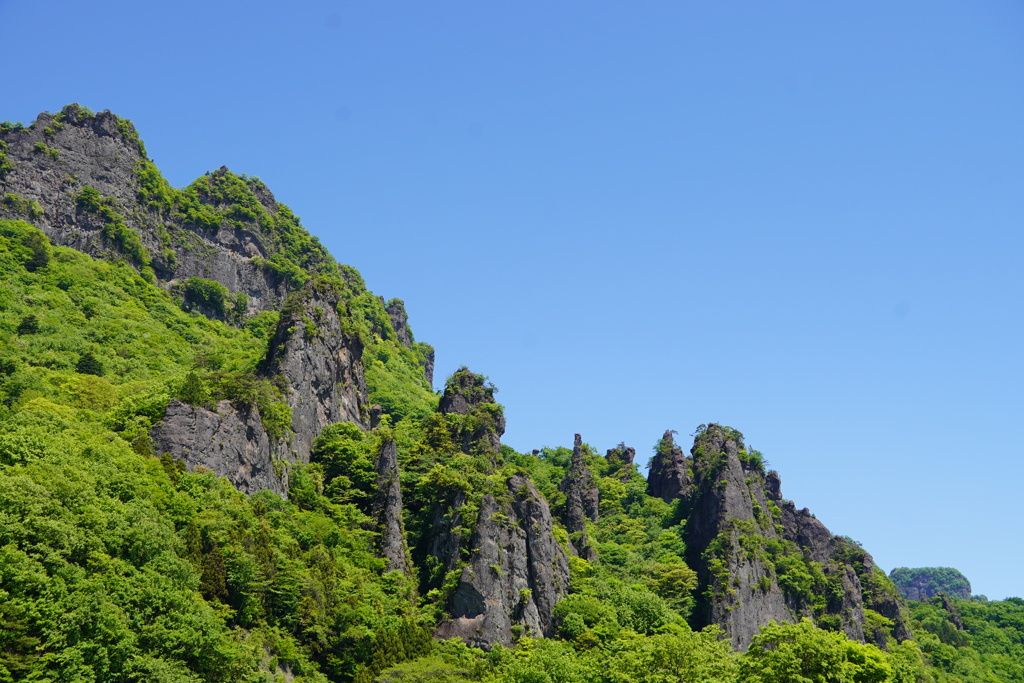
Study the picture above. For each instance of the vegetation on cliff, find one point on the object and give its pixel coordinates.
(120, 563)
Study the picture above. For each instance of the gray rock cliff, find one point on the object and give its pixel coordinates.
(581, 501)
(469, 394)
(387, 509)
(512, 571)
(320, 363)
(516, 573)
(229, 441)
(669, 476)
(399, 321)
(758, 558)
(103, 152)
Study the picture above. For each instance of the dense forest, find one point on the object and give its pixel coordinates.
(222, 458)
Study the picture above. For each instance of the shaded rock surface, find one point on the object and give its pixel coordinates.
(581, 501)
(512, 571)
(669, 476)
(320, 363)
(229, 441)
(752, 549)
(103, 152)
(516, 573)
(469, 394)
(399, 321)
(428, 365)
(621, 459)
(387, 509)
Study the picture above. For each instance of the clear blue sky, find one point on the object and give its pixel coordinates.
(801, 219)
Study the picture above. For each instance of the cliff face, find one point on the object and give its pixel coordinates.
(513, 571)
(61, 156)
(387, 509)
(758, 558)
(516, 574)
(320, 363)
(581, 502)
(229, 441)
(467, 394)
(669, 477)
(621, 458)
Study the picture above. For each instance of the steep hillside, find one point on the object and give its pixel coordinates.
(757, 557)
(223, 247)
(222, 458)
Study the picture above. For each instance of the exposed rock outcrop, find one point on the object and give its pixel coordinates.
(102, 151)
(512, 571)
(428, 365)
(318, 366)
(469, 394)
(516, 574)
(620, 460)
(387, 509)
(758, 558)
(581, 501)
(229, 441)
(320, 362)
(669, 476)
(399, 322)
(922, 583)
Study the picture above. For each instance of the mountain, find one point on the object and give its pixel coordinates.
(758, 558)
(927, 582)
(222, 458)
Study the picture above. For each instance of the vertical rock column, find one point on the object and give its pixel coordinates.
(581, 501)
(387, 510)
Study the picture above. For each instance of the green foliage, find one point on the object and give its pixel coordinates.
(6, 165)
(931, 581)
(801, 653)
(198, 292)
(28, 325)
(394, 373)
(88, 364)
(346, 457)
(27, 244)
(90, 202)
(29, 208)
(42, 148)
(973, 640)
(155, 192)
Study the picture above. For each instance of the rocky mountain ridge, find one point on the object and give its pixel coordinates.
(485, 545)
(758, 557)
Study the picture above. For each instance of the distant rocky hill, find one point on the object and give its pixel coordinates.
(926, 582)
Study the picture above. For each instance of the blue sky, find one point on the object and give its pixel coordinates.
(801, 219)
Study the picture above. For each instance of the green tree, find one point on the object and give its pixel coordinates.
(802, 653)
(89, 364)
(29, 324)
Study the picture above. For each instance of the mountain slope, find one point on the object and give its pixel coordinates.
(221, 458)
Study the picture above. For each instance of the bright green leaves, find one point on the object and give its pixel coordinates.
(26, 244)
(801, 653)
(346, 457)
(106, 210)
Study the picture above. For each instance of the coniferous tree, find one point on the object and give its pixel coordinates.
(89, 364)
(29, 324)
